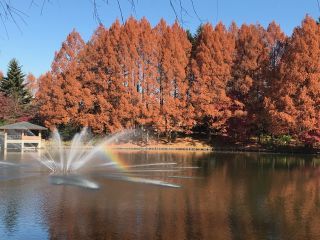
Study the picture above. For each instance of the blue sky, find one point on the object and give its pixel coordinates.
(35, 44)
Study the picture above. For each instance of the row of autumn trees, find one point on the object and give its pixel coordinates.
(239, 82)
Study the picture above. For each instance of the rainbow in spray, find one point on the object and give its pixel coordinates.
(113, 159)
(116, 162)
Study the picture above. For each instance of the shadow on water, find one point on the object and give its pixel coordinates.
(73, 180)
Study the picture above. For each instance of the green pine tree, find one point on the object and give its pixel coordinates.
(13, 84)
(193, 38)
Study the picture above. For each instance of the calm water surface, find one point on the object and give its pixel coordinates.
(229, 196)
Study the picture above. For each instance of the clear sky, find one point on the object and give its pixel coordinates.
(41, 36)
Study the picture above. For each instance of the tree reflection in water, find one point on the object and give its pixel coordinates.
(230, 196)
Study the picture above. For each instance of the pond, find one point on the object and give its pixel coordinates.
(221, 196)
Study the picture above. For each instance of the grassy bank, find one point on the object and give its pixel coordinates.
(191, 143)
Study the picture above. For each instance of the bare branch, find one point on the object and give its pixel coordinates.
(95, 11)
(217, 10)
(195, 12)
(120, 9)
(10, 13)
(174, 9)
(133, 6)
(42, 7)
(33, 3)
(4, 24)
(183, 11)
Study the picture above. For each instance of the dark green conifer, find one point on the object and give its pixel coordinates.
(13, 84)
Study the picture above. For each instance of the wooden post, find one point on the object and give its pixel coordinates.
(5, 154)
(5, 144)
(22, 142)
(39, 145)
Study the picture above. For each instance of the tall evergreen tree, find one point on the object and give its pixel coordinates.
(13, 84)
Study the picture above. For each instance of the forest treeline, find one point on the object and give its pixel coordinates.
(240, 82)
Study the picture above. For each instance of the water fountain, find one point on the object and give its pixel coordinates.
(72, 165)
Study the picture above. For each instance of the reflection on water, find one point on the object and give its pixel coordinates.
(223, 196)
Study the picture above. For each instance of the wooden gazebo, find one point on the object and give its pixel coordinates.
(26, 134)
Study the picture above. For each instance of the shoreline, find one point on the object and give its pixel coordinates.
(196, 144)
(294, 151)
(209, 149)
(219, 150)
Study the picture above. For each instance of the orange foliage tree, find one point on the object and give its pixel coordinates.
(59, 89)
(211, 67)
(32, 84)
(173, 58)
(101, 80)
(248, 79)
(148, 76)
(294, 102)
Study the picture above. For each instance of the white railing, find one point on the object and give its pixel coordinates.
(14, 137)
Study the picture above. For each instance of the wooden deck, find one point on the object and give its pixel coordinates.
(20, 136)
(22, 140)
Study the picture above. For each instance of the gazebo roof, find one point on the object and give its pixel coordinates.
(22, 126)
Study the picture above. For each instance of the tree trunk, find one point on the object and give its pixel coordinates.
(209, 135)
(168, 133)
(147, 137)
